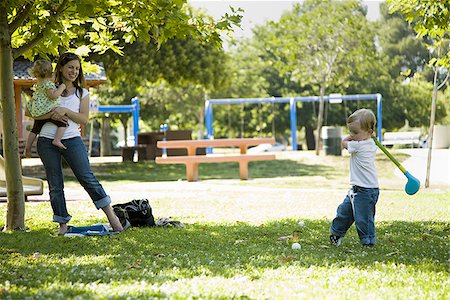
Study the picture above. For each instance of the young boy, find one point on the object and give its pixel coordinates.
(359, 204)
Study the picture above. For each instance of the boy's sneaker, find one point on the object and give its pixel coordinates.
(335, 240)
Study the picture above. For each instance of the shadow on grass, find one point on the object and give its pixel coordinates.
(158, 255)
(149, 171)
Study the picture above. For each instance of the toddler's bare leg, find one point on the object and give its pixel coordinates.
(58, 136)
(30, 140)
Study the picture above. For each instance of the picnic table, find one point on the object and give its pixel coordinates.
(192, 160)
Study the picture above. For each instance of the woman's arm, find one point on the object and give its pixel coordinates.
(42, 117)
(81, 117)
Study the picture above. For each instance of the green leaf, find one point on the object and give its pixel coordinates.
(129, 37)
(82, 51)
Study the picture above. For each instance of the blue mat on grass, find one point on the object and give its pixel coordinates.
(93, 230)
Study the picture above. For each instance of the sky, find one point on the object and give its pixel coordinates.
(258, 12)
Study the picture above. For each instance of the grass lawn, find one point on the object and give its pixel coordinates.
(229, 247)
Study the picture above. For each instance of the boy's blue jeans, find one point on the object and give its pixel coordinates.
(77, 158)
(358, 207)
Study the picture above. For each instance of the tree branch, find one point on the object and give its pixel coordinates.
(19, 51)
(38, 37)
(443, 82)
(20, 18)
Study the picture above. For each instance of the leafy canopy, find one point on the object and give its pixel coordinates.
(430, 18)
(43, 27)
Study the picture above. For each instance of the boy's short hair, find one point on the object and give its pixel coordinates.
(365, 117)
(41, 69)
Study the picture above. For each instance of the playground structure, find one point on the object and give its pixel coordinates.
(133, 108)
(31, 186)
(333, 98)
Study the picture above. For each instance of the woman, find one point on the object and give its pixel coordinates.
(74, 109)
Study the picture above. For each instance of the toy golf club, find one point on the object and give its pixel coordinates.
(413, 184)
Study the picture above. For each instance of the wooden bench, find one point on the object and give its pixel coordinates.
(191, 161)
(401, 138)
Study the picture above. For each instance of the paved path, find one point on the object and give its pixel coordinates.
(417, 165)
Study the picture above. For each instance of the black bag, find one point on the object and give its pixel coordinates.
(137, 212)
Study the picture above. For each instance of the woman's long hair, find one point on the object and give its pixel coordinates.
(79, 82)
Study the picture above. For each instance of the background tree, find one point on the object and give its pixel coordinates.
(394, 48)
(398, 42)
(323, 42)
(401, 68)
(430, 18)
(41, 27)
(244, 69)
(184, 64)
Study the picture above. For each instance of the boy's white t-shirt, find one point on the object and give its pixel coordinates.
(71, 102)
(362, 163)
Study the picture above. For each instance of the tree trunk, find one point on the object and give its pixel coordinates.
(320, 118)
(310, 139)
(124, 120)
(201, 117)
(105, 142)
(15, 213)
(431, 130)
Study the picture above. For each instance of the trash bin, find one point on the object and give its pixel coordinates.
(331, 137)
(441, 137)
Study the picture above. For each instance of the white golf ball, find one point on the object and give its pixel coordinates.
(296, 246)
(301, 223)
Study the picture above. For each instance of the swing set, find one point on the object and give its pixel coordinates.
(332, 98)
(133, 109)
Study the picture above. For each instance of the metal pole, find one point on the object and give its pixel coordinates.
(135, 114)
(293, 112)
(164, 127)
(209, 124)
(379, 116)
(209, 120)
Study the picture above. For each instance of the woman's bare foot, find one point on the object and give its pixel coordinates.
(62, 229)
(59, 144)
(113, 219)
(115, 224)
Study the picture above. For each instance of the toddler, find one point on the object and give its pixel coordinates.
(359, 204)
(44, 100)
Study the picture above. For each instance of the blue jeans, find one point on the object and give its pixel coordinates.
(77, 158)
(358, 207)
